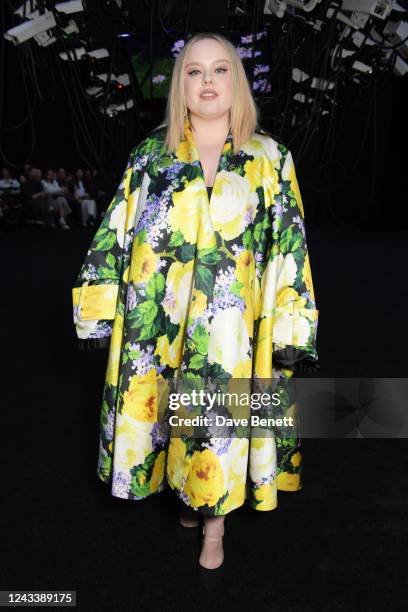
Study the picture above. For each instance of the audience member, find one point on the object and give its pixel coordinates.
(96, 188)
(35, 197)
(56, 198)
(82, 195)
(88, 205)
(8, 185)
(10, 206)
(64, 180)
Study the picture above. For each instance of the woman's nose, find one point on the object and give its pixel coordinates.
(207, 78)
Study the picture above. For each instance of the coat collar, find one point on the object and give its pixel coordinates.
(187, 151)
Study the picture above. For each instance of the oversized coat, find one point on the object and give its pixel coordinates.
(175, 282)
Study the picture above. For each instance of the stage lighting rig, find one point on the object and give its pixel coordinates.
(375, 8)
(31, 29)
(278, 8)
(397, 36)
(97, 83)
(82, 53)
(30, 8)
(39, 25)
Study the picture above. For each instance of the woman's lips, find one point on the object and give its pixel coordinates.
(208, 95)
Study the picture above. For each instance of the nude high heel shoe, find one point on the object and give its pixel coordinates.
(212, 539)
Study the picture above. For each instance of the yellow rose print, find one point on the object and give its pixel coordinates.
(198, 303)
(158, 472)
(144, 263)
(190, 217)
(205, 480)
(267, 496)
(296, 459)
(177, 464)
(140, 400)
(169, 352)
(288, 482)
(178, 290)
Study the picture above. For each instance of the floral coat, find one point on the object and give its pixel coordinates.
(179, 283)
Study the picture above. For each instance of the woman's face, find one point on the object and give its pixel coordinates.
(207, 79)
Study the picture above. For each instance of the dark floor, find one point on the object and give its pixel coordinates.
(338, 544)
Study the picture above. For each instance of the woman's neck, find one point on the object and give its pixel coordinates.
(210, 131)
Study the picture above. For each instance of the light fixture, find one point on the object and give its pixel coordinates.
(30, 29)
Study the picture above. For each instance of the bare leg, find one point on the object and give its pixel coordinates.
(187, 516)
(212, 552)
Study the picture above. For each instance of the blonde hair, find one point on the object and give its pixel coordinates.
(243, 114)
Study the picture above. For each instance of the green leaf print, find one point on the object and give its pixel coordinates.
(110, 260)
(141, 475)
(220, 502)
(176, 239)
(285, 239)
(258, 232)
(171, 329)
(106, 468)
(150, 288)
(204, 280)
(235, 288)
(217, 371)
(209, 256)
(144, 314)
(140, 236)
(134, 182)
(247, 239)
(191, 172)
(149, 331)
(106, 273)
(196, 362)
(297, 241)
(186, 252)
(160, 283)
(104, 412)
(200, 339)
(105, 241)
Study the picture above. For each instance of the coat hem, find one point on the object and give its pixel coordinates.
(166, 484)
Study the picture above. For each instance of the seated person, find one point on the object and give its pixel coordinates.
(64, 179)
(34, 196)
(95, 185)
(56, 198)
(10, 197)
(88, 205)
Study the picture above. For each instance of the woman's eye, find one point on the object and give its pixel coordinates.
(193, 72)
(222, 69)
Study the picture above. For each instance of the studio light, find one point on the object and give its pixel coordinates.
(376, 8)
(31, 28)
(72, 6)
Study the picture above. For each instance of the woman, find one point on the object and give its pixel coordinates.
(56, 198)
(199, 269)
(88, 205)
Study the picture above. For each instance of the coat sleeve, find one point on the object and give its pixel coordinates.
(96, 289)
(288, 300)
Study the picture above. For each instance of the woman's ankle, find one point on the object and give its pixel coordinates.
(214, 526)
